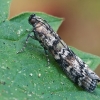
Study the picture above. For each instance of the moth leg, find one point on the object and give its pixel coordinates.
(46, 53)
(26, 41)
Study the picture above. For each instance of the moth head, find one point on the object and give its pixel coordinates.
(32, 19)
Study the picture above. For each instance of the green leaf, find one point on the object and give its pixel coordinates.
(25, 76)
(4, 8)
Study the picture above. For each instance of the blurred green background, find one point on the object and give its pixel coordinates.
(81, 27)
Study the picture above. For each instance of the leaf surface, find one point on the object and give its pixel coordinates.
(25, 76)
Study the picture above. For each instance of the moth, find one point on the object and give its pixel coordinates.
(76, 69)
